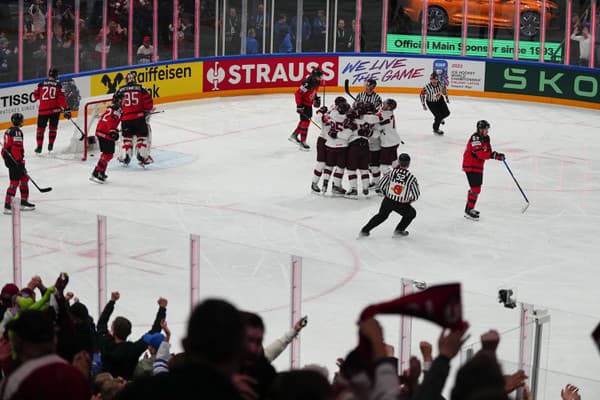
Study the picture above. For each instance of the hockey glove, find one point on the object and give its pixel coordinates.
(300, 110)
(67, 114)
(348, 124)
(364, 132)
(351, 115)
(498, 156)
(322, 110)
(317, 102)
(114, 134)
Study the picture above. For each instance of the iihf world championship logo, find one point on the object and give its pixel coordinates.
(215, 75)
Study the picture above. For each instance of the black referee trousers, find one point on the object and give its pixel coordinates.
(439, 109)
(387, 206)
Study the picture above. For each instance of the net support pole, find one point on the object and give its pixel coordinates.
(102, 242)
(541, 317)
(405, 329)
(15, 205)
(296, 307)
(194, 269)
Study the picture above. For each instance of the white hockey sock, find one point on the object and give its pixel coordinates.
(375, 172)
(327, 173)
(364, 177)
(338, 174)
(317, 172)
(353, 181)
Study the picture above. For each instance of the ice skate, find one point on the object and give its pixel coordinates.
(366, 192)
(125, 160)
(27, 206)
(438, 132)
(38, 150)
(372, 184)
(97, 177)
(338, 190)
(315, 188)
(294, 138)
(7, 209)
(398, 234)
(50, 147)
(144, 161)
(352, 194)
(325, 186)
(363, 234)
(303, 146)
(471, 214)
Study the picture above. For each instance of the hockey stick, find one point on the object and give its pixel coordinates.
(347, 87)
(43, 190)
(519, 186)
(78, 128)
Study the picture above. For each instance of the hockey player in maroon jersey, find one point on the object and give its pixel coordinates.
(52, 102)
(107, 134)
(13, 153)
(306, 98)
(137, 105)
(478, 150)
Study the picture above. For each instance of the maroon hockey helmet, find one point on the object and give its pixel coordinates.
(342, 108)
(391, 103)
(339, 100)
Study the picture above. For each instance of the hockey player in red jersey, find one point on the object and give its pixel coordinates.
(478, 150)
(137, 105)
(52, 102)
(107, 134)
(306, 99)
(13, 153)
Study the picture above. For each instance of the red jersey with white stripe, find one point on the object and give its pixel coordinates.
(109, 122)
(136, 101)
(51, 97)
(478, 150)
(13, 143)
(307, 91)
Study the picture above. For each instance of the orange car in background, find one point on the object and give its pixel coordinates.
(442, 14)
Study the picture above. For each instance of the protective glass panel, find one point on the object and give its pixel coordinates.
(370, 26)
(9, 31)
(344, 13)
(259, 27)
(314, 25)
(404, 26)
(232, 26)
(283, 35)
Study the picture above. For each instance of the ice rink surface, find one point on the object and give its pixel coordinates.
(225, 170)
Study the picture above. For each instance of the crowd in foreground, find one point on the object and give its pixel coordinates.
(51, 348)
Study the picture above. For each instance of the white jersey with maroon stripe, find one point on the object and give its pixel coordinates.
(336, 124)
(364, 129)
(387, 128)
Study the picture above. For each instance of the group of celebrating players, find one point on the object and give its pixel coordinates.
(362, 140)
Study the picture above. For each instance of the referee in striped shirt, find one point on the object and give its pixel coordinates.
(400, 188)
(433, 95)
(369, 95)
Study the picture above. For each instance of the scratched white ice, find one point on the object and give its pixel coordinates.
(225, 170)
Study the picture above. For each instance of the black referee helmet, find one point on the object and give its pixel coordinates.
(404, 160)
